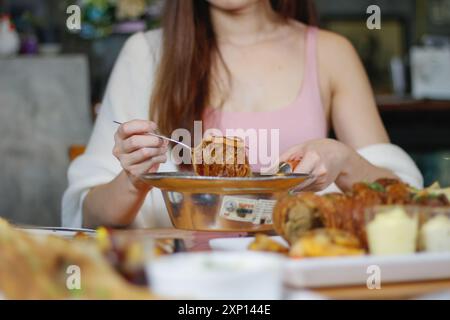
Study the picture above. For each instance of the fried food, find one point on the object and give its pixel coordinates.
(263, 242)
(294, 215)
(326, 243)
(128, 251)
(36, 267)
(221, 157)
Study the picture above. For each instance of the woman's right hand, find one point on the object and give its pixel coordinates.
(138, 152)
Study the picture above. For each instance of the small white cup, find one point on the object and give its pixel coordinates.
(217, 275)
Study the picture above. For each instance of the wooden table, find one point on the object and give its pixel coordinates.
(199, 241)
(407, 290)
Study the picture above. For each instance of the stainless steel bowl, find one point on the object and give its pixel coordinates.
(223, 204)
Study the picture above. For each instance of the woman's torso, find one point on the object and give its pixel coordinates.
(302, 119)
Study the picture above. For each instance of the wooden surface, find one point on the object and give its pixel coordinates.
(408, 290)
(194, 240)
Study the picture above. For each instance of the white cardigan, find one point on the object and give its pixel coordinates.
(127, 97)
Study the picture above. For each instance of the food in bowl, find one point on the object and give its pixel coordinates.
(222, 203)
(219, 156)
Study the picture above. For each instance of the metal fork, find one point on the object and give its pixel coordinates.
(163, 137)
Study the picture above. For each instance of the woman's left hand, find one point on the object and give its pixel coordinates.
(326, 159)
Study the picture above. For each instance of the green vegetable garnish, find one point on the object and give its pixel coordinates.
(376, 187)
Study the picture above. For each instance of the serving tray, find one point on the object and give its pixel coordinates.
(353, 270)
(366, 270)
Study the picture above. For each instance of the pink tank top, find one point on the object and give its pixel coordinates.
(301, 121)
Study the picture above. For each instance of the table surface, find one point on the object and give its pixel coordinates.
(407, 290)
(199, 241)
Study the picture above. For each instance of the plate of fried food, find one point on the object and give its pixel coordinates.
(44, 264)
(341, 239)
(222, 193)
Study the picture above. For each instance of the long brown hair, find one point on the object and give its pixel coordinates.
(183, 79)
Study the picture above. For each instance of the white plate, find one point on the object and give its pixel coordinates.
(344, 271)
(56, 232)
(237, 244)
(322, 272)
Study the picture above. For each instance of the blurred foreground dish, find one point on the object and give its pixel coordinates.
(38, 267)
(263, 242)
(326, 243)
(294, 215)
(128, 251)
(402, 220)
(314, 243)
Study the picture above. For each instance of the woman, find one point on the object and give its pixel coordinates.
(233, 64)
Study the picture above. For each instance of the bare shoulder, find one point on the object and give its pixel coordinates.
(338, 59)
(335, 48)
(326, 39)
(332, 39)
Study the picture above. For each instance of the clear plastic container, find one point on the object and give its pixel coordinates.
(434, 232)
(392, 230)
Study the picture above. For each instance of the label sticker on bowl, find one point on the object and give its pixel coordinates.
(256, 211)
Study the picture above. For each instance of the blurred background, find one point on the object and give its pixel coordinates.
(52, 81)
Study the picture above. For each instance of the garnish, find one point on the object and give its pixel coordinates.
(376, 187)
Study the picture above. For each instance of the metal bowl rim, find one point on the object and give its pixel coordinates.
(193, 176)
